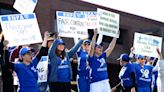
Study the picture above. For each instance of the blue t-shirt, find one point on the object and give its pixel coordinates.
(63, 70)
(143, 75)
(83, 70)
(28, 76)
(98, 67)
(125, 75)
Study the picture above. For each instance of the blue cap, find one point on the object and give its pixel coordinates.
(124, 57)
(140, 56)
(87, 41)
(24, 50)
(60, 41)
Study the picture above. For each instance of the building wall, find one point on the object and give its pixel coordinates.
(45, 12)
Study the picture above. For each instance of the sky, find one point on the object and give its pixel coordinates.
(151, 9)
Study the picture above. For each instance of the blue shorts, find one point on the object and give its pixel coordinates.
(143, 89)
(83, 84)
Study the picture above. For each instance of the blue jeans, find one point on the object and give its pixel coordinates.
(42, 87)
(83, 84)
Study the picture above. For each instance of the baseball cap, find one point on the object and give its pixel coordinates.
(124, 57)
(24, 50)
(140, 56)
(60, 42)
(87, 41)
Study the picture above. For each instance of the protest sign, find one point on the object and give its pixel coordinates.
(146, 44)
(25, 6)
(42, 68)
(71, 25)
(108, 23)
(20, 29)
(91, 18)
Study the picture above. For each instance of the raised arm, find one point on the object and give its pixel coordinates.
(43, 49)
(6, 56)
(93, 43)
(159, 54)
(52, 49)
(111, 46)
(43, 46)
(74, 49)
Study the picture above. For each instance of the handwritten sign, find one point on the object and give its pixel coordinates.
(25, 6)
(146, 44)
(91, 18)
(20, 29)
(71, 25)
(43, 69)
(108, 23)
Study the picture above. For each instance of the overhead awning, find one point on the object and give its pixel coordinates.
(151, 9)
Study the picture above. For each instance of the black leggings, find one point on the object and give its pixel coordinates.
(126, 89)
(60, 87)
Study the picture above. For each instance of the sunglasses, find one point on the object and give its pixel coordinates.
(142, 58)
(86, 44)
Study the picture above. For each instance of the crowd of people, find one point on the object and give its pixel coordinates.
(138, 73)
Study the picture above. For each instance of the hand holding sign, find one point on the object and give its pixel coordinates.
(159, 53)
(95, 31)
(5, 43)
(46, 35)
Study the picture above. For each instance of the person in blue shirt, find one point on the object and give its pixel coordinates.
(97, 61)
(126, 75)
(83, 68)
(26, 70)
(143, 75)
(60, 71)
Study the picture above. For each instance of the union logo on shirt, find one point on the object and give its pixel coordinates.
(33, 69)
(102, 62)
(145, 73)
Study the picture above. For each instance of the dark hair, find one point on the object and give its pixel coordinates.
(62, 55)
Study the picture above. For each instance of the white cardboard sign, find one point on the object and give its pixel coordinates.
(43, 69)
(91, 18)
(20, 29)
(25, 6)
(146, 45)
(71, 25)
(108, 23)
